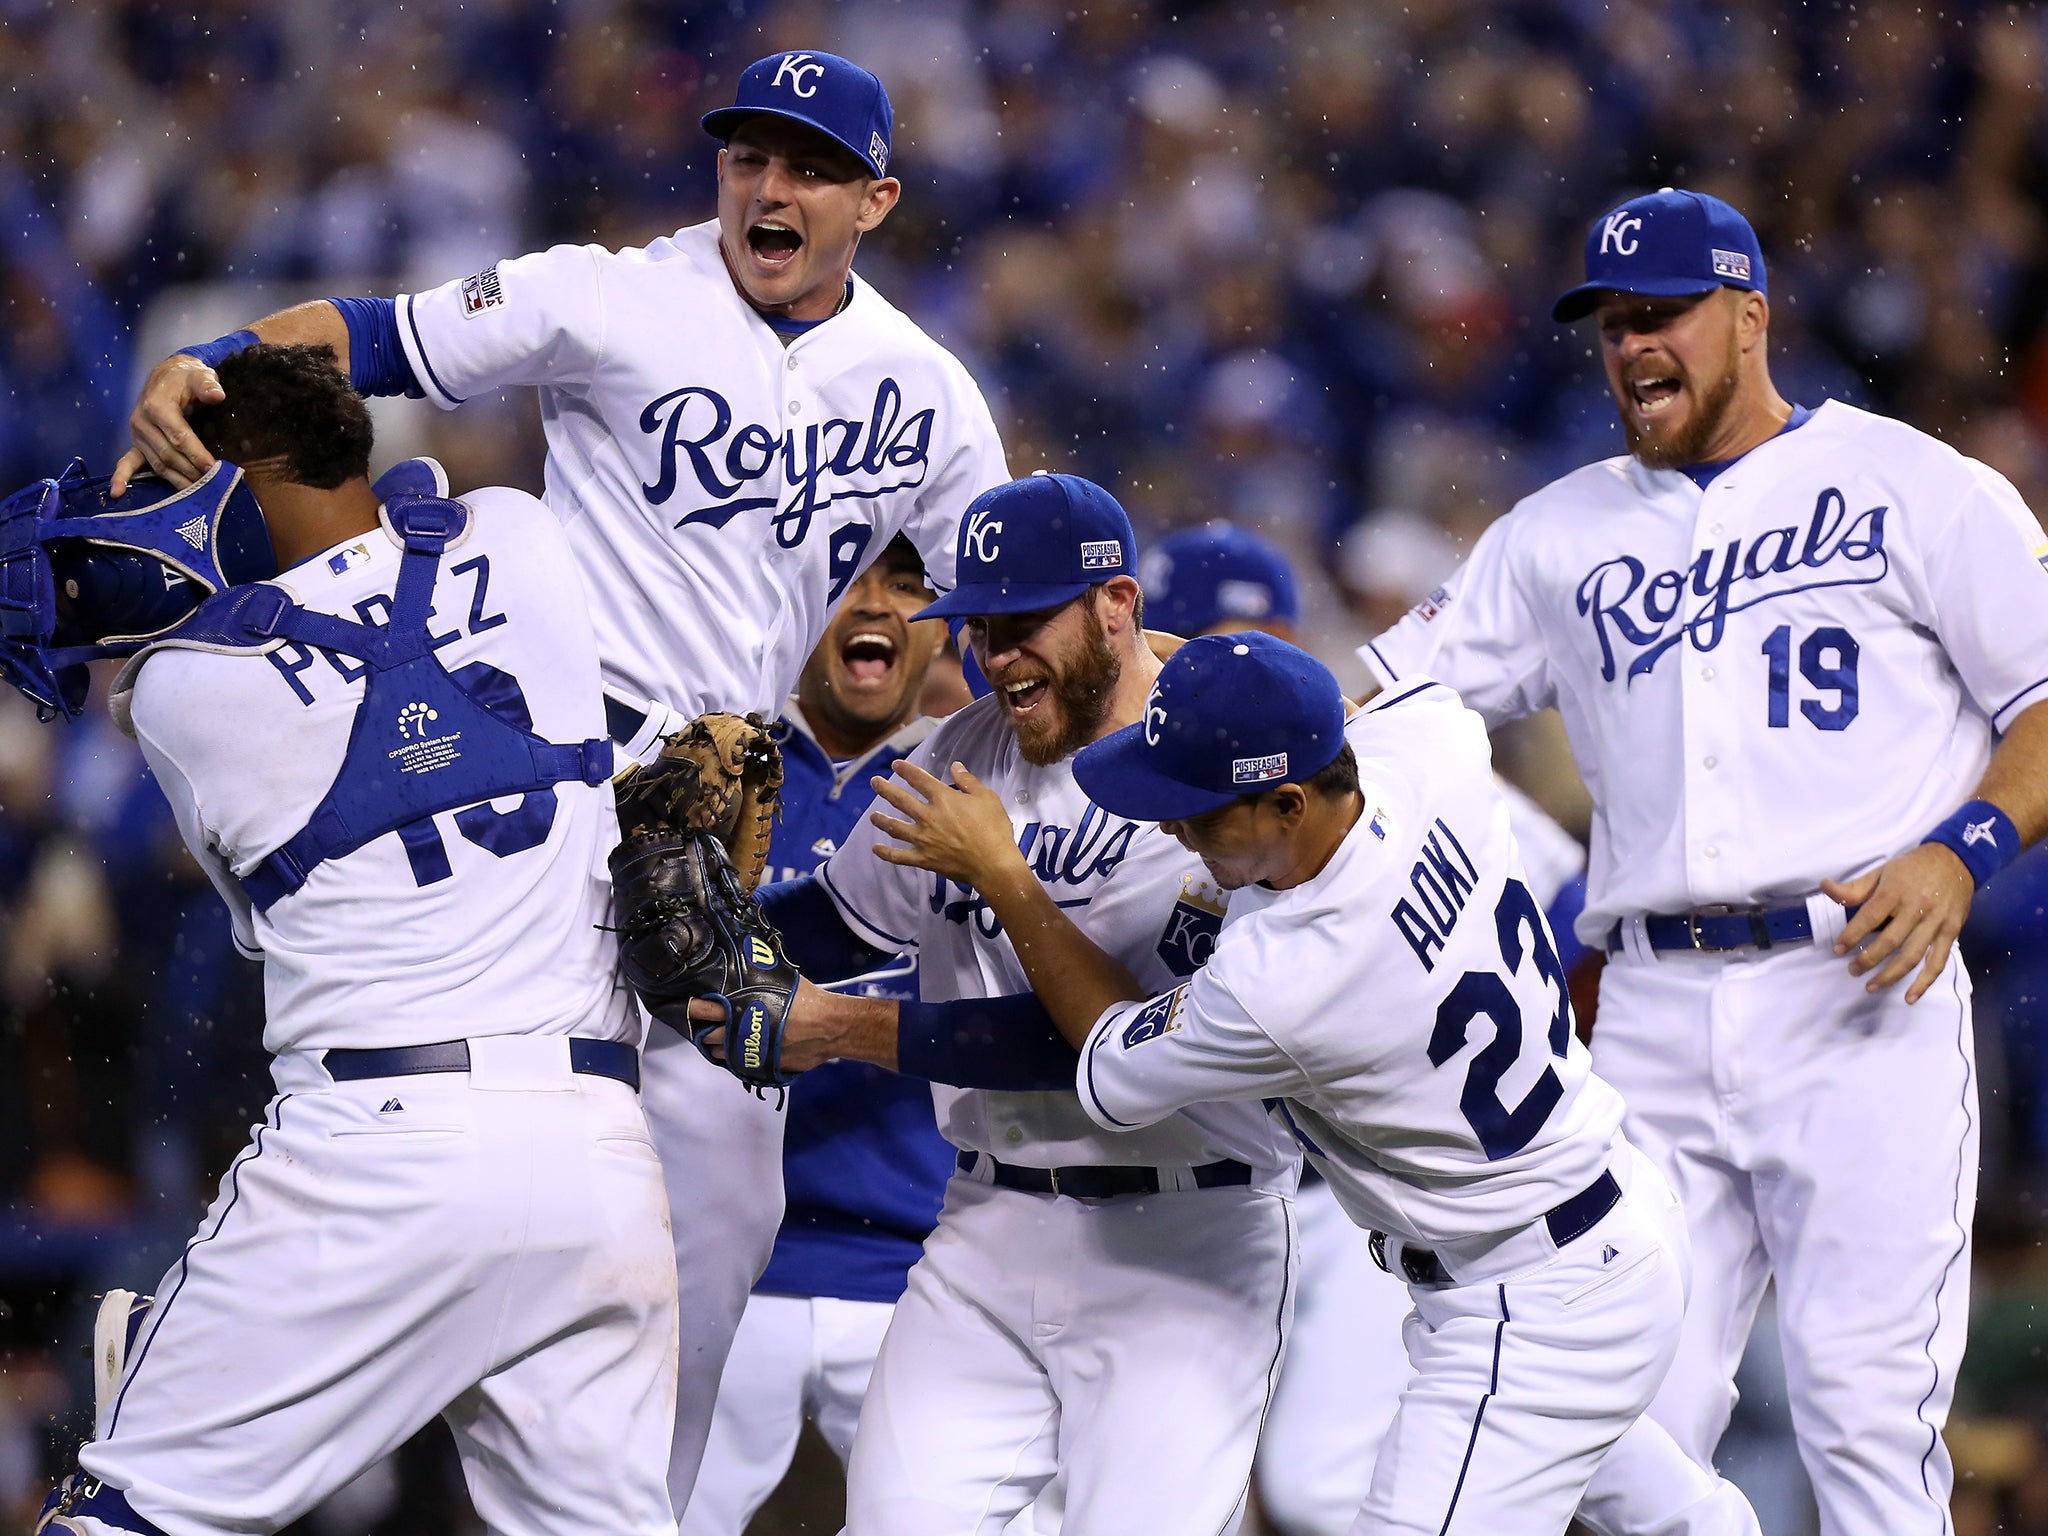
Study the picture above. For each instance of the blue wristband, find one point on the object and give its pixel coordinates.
(212, 352)
(1982, 836)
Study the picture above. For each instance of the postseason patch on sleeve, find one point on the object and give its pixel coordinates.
(482, 292)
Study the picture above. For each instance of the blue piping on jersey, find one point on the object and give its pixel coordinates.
(1401, 697)
(901, 946)
(1089, 1077)
(818, 940)
(425, 361)
(1962, 1250)
(2008, 704)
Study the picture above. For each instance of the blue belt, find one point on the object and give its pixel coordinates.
(1714, 929)
(1101, 1183)
(615, 1059)
(1568, 1221)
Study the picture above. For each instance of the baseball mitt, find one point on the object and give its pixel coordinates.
(687, 930)
(720, 774)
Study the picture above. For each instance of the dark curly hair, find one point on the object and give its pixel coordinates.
(291, 409)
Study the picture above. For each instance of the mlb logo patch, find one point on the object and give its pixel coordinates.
(878, 152)
(1433, 604)
(354, 555)
(1101, 555)
(1158, 1017)
(482, 292)
(1733, 264)
(1258, 770)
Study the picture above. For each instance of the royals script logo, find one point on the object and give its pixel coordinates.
(821, 463)
(1071, 862)
(1634, 611)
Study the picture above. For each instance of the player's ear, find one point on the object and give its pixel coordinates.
(876, 201)
(1752, 319)
(1120, 601)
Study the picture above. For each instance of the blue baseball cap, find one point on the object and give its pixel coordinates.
(1666, 242)
(820, 90)
(1202, 577)
(1230, 715)
(1036, 543)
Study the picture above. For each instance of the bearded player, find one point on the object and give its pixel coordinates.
(1802, 657)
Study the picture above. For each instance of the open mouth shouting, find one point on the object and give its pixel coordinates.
(773, 244)
(1653, 394)
(869, 659)
(1020, 698)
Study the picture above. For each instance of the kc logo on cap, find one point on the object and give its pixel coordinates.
(794, 69)
(1033, 544)
(1670, 244)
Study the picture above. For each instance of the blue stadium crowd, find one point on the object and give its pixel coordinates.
(1284, 264)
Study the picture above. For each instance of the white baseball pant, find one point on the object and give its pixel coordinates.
(1828, 1138)
(1126, 1346)
(721, 1155)
(489, 1246)
(794, 1358)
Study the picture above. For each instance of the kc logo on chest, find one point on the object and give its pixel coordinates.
(1634, 611)
(819, 463)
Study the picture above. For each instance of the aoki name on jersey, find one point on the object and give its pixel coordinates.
(1070, 857)
(821, 462)
(1630, 608)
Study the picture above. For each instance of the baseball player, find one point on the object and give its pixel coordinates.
(863, 1163)
(1047, 1331)
(1385, 978)
(391, 762)
(1802, 656)
(736, 425)
(1345, 1362)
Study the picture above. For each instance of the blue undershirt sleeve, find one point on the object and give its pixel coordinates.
(376, 359)
(1009, 1044)
(814, 935)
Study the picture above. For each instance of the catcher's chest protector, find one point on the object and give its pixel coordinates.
(424, 739)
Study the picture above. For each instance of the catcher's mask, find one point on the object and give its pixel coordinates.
(85, 576)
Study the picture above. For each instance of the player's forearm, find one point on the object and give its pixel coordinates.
(1073, 977)
(2016, 781)
(310, 324)
(840, 1028)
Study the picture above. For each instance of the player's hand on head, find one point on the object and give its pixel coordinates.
(1909, 912)
(959, 830)
(163, 441)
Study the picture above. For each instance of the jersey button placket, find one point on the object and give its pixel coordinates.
(1705, 724)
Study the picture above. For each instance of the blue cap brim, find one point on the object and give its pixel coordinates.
(1114, 773)
(725, 122)
(1579, 303)
(973, 599)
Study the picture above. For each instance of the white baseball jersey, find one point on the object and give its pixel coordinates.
(364, 955)
(720, 490)
(1407, 1003)
(1131, 888)
(1789, 675)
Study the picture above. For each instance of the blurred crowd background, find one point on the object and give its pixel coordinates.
(1289, 265)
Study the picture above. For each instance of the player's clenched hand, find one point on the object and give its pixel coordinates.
(822, 1026)
(163, 442)
(959, 830)
(1912, 908)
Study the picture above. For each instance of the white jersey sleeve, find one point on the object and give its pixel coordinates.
(1478, 633)
(536, 319)
(1987, 578)
(1194, 1044)
(177, 788)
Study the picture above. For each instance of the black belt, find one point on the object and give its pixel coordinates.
(1571, 1220)
(615, 1059)
(1100, 1183)
(1715, 929)
(622, 721)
